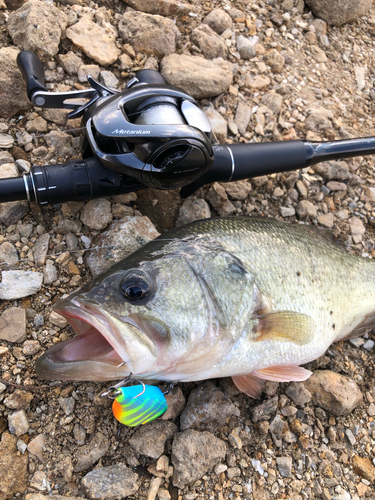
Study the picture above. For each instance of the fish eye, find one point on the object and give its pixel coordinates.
(135, 287)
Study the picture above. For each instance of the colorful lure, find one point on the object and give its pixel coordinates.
(138, 404)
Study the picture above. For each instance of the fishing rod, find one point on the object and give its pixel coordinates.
(150, 135)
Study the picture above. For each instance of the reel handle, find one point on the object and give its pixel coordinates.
(32, 71)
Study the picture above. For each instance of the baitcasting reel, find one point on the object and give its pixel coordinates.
(152, 134)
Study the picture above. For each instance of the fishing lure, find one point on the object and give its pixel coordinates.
(137, 404)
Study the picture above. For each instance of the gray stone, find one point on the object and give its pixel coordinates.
(176, 403)
(88, 69)
(13, 325)
(207, 409)
(326, 220)
(8, 254)
(18, 422)
(149, 34)
(67, 404)
(238, 190)
(57, 320)
(30, 347)
(284, 464)
(40, 249)
(219, 200)
(273, 101)
(79, 434)
(13, 97)
(18, 284)
(58, 116)
(332, 170)
(49, 273)
(116, 481)
(193, 454)
(5, 156)
(6, 142)
(218, 124)
(125, 62)
(298, 393)
(198, 76)
(61, 141)
(66, 226)
(287, 211)
(150, 439)
(108, 79)
(275, 60)
(246, 46)
(166, 8)
(265, 410)
(333, 392)
(37, 26)
(120, 240)
(97, 42)
(318, 54)
(209, 42)
(339, 12)
(96, 214)
(70, 62)
(218, 20)
(87, 455)
(317, 122)
(18, 400)
(12, 212)
(193, 209)
(242, 117)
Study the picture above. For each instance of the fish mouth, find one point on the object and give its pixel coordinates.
(103, 343)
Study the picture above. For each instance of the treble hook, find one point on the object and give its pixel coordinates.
(122, 383)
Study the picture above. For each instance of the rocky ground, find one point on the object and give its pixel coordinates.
(263, 71)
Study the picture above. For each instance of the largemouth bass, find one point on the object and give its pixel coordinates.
(247, 297)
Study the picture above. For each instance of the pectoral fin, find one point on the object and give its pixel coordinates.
(286, 326)
(250, 385)
(283, 373)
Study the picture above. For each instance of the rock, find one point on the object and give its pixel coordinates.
(219, 200)
(79, 434)
(287, 211)
(242, 117)
(66, 226)
(275, 60)
(36, 446)
(333, 392)
(298, 393)
(207, 409)
(8, 254)
(39, 481)
(96, 42)
(238, 190)
(317, 122)
(364, 468)
(6, 142)
(70, 62)
(37, 26)
(193, 454)
(235, 439)
(284, 464)
(306, 210)
(116, 481)
(18, 400)
(13, 468)
(58, 116)
(57, 320)
(12, 212)
(96, 214)
(218, 124)
(30, 347)
(149, 34)
(108, 79)
(150, 439)
(164, 495)
(120, 240)
(169, 8)
(193, 209)
(176, 403)
(246, 46)
(196, 75)
(265, 410)
(40, 249)
(218, 20)
(18, 284)
(318, 54)
(273, 101)
(5, 156)
(87, 455)
(13, 325)
(49, 273)
(13, 97)
(67, 404)
(125, 62)
(332, 170)
(360, 76)
(257, 82)
(18, 423)
(88, 69)
(336, 186)
(356, 226)
(326, 220)
(339, 12)
(209, 42)
(61, 141)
